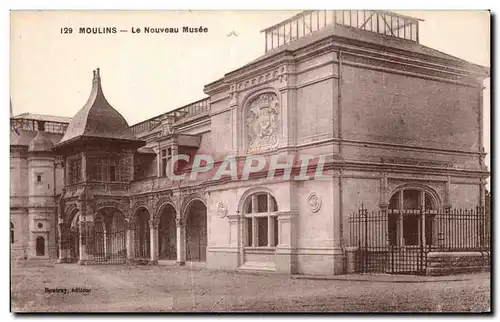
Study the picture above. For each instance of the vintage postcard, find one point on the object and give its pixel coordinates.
(250, 161)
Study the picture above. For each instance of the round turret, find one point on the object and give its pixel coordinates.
(40, 143)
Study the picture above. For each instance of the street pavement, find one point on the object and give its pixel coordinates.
(42, 286)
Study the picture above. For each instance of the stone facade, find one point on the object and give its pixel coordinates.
(388, 118)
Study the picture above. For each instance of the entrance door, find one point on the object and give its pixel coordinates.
(196, 232)
(167, 234)
(110, 245)
(40, 246)
(409, 219)
(142, 235)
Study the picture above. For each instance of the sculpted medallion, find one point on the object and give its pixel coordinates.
(261, 119)
(221, 210)
(314, 202)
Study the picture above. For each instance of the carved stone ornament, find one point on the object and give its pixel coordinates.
(314, 202)
(221, 210)
(167, 124)
(261, 119)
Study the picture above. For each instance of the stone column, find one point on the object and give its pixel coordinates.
(86, 242)
(64, 246)
(400, 219)
(255, 236)
(153, 235)
(181, 241)
(105, 241)
(130, 242)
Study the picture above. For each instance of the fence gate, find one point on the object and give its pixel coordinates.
(389, 241)
(109, 244)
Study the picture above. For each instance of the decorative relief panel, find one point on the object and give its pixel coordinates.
(262, 122)
(280, 74)
(417, 162)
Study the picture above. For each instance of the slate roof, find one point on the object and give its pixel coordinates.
(97, 119)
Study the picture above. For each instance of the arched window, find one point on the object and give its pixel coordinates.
(405, 224)
(407, 199)
(261, 218)
(11, 233)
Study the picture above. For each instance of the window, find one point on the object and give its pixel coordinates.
(404, 227)
(75, 171)
(163, 162)
(112, 174)
(102, 169)
(11, 233)
(261, 220)
(38, 178)
(165, 156)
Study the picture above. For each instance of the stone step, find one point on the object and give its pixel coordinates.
(258, 266)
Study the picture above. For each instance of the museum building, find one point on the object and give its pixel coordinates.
(400, 125)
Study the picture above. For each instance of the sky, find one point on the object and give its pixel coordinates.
(147, 75)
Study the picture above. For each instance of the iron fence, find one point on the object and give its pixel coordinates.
(398, 241)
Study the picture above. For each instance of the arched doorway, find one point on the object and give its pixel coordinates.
(74, 237)
(196, 232)
(40, 246)
(167, 234)
(142, 234)
(110, 245)
(410, 217)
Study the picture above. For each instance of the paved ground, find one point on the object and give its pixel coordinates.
(167, 289)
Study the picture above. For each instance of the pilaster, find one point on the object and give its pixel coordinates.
(236, 235)
(287, 234)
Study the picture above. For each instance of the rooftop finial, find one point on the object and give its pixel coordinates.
(97, 77)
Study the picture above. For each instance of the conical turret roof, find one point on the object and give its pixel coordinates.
(97, 119)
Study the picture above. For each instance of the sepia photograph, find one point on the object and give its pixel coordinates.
(250, 161)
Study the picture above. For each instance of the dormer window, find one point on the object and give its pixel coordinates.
(165, 155)
(102, 169)
(75, 171)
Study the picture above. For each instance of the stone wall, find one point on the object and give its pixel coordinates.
(444, 263)
(392, 108)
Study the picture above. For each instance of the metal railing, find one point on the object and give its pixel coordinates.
(307, 22)
(17, 124)
(196, 108)
(398, 241)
